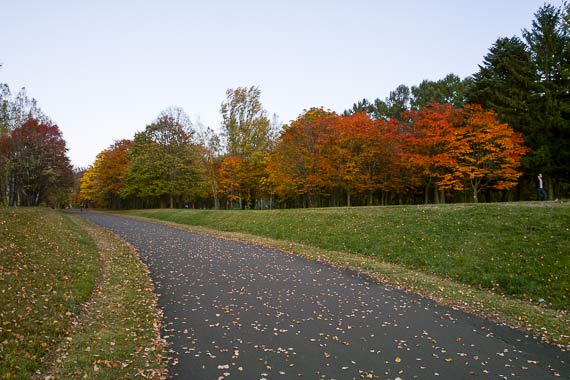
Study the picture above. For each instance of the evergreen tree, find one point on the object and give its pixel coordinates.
(505, 83)
(549, 46)
(527, 82)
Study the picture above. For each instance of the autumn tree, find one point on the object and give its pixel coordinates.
(506, 83)
(102, 184)
(292, 166)
(323, 156)
(359, 156)
(428, 144)
(39, 169)
(247, 133)
(15, 110)
(229, 180)
(164, 161)
(89, 187)
(487, 154)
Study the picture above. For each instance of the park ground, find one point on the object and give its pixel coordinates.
(76, 301)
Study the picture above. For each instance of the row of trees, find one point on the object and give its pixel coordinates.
(439, 149)
(174, 163)
(34, 167)
(163, 165)
(445, 140)
(525, 80)
(319, 159)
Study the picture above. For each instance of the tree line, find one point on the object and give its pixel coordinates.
(451, 140)
(484, 137)
(435, 153)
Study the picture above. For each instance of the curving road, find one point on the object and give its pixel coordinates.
(239, 311)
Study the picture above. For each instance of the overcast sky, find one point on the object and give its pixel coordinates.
(103, 70)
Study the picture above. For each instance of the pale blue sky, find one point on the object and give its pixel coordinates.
(103, 70)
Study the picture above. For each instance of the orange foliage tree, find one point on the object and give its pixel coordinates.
(359, 155)
(429, 144)
(488, 154)
(229, 178)
(322, 154)
(292, 167)
(102, 183)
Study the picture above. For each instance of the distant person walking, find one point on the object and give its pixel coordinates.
(540, 193)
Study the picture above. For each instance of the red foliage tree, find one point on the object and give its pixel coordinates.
(39, 168)
(429, 142)
(359, 155)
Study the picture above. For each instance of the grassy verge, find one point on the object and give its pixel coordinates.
(75, 302)
(496, 260)
(48, 269)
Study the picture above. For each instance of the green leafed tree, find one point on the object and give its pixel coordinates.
(245, 125)
(390, 108)
(248, 136)
(548, 41)
(450, 89)
(393, 106)
(211, 159)
(165, 161)
(527, 82)
(505, 83)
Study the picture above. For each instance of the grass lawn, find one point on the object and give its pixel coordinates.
(518, 250)
(74, 301)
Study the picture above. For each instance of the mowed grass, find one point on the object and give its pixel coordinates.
(75, 301)
(48, 269)
(518, 249)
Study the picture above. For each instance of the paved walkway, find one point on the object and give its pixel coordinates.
(240, 311)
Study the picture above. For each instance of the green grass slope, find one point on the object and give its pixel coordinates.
(48, 269)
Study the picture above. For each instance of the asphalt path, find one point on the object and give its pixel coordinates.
(234, 310)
